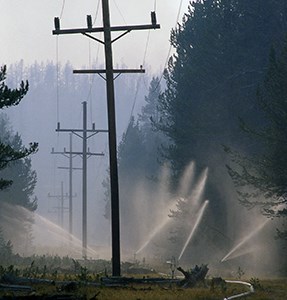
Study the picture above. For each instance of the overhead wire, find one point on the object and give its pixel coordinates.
(117, 7)
(57, 78)
(141, 77)
(62, 9)
(58, 70)
(144, 58)
(96, 13)
(58, 64)
(89, 96)
(154, 5)
(92, 76)
(169, 50)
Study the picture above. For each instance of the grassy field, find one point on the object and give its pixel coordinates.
(65, 278)
(275, 289)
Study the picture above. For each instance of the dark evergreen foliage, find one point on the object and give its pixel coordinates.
(15, 166)
(5, 249)
(261, 178)
(221, 49)
(9, 97)
(19, 171)
(138, 164)
(221, 56)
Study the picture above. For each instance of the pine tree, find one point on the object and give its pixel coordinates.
(11, 97)
(261, 178)
(15, 166)
(221, 55)
(19, 171)
(154, 140)
(5, 250)
(221, 49)
(138, 164)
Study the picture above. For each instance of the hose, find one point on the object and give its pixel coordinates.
(251, 289)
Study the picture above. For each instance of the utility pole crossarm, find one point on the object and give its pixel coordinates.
(109, 71)
(81, 130)
(86, 130)
(100, 71)
(128, 28)
(88, 153)
(68, 168)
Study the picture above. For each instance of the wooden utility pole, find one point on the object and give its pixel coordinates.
(109, 72)
(70, 168)
(60, 207)
(115, 210)
(85, 153)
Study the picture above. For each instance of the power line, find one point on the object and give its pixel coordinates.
(117, 7)
(58, 77)
(154, 5)
(109, 72)
(97, 12)
(62, 9)
(170, 47)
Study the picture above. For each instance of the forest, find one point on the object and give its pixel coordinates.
(201, 147)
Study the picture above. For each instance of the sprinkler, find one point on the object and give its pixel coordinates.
(172, 264)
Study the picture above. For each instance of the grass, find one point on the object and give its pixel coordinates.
(84, 273)
(275, 289)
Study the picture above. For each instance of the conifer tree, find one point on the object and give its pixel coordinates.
(261, 178)
(11, 97)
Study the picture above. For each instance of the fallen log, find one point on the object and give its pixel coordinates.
(194, 276)
(13, 287)
(127, 280)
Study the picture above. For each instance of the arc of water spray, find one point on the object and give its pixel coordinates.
(58, 232)
(157, 229)
(199, 189)
(246, 239)
(199, 217)
(153, 234)
(186, 180)
(63, 234)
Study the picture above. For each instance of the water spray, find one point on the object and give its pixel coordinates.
(199, 217)
(64, 236)
(157, 229)
(246, 239)
(199, 189)
(153, 234)
(186, 180)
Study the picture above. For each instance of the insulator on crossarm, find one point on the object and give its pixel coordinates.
(89, 21)
(153, 18)
(57, 23)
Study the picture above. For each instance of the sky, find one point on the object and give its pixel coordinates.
(26, 31)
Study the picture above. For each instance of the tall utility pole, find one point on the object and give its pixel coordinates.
(85, 153)
(109, 71)
(60, 207)
(70, 168)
